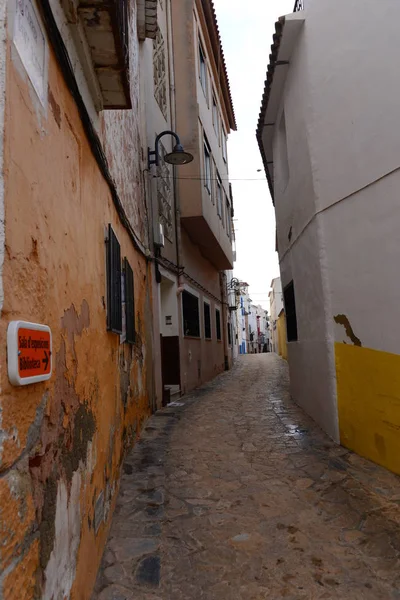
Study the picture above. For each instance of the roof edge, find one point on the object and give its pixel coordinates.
(215, 37)
(273, 57)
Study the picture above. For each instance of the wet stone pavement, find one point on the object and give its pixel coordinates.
(236, 494)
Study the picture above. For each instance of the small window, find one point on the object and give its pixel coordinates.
(207, 321)
(290, 311)
(129, 303)
(203, 70)
(215, 117)
(219, 196)
(191, 317)
(224, 149)
(207, 165)
(230, 334)
(114, 283)
(218, 323)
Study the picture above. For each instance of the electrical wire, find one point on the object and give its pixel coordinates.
(209, 178)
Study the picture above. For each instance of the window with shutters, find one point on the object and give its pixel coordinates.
(290, 311)
(218, 323)
(129, 302)
(114, 292)
(191, 314)
(207, 321)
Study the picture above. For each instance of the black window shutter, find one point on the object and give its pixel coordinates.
(129, 303)
(114, 299)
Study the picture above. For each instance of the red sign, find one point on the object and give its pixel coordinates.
(34, 351)
(28, 352)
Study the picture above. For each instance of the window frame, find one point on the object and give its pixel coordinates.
(215, 116)
(186, 293)
(203, 70)
(224, 145)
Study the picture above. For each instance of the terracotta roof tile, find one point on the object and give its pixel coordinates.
(211, 18)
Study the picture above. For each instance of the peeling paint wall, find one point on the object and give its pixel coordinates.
(64, 440)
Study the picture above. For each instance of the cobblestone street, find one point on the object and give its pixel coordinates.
(235, 494)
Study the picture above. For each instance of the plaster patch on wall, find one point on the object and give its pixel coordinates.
(61, 568)
(343, 320)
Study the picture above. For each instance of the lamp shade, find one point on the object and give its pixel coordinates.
(178, 156)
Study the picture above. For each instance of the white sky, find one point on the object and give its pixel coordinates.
(246, 31)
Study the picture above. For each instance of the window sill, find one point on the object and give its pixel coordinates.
(192, 337)
(208, 339)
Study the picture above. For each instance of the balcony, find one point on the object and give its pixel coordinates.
(105, 26)
(299, 5)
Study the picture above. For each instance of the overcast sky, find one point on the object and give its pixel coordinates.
(246, 29)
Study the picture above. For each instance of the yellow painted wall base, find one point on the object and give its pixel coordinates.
(282, 343)
(368, 390)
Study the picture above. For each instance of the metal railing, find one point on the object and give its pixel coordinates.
(299, 5)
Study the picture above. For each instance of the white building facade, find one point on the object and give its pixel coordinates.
(332, 157)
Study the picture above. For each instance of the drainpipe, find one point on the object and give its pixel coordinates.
(177, 211)
(224, 300)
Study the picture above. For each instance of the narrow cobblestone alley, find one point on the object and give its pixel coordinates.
(234, 493)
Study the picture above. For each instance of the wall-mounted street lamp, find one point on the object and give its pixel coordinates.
(178, 156)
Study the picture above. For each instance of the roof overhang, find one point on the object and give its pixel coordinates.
(287, 30)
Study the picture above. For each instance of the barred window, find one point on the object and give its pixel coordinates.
(191, 316)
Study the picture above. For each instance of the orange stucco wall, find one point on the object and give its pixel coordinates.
(63, 439)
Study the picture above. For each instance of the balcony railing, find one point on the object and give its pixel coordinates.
(299, 5)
